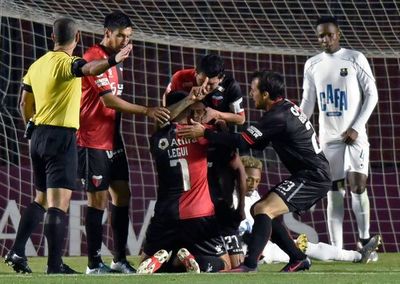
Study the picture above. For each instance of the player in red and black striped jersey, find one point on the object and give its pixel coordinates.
(184, 212)
(292, 136)
(224, 94)
(103, 165)
(224, 106)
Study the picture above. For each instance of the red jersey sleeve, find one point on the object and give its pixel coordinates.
(100, 83)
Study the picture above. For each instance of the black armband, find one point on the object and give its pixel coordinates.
(112, 61)
(77, 67)
(27, 88)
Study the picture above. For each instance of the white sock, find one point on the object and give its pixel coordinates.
(335, 212)
(360, 205)
(272, 253)
(325, 252)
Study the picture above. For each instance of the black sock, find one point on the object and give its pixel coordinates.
(209, 263)
(258, 239)
(94, 235)
(120, 226)
(55, 230)
(31, 217)
(281, 237)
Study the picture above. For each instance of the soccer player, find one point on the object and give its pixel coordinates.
(342, 83)
(224, 109)
(103, 166)
(50, 98)
(225, 97)
(293, 138)
(184, 212)
(272, 253)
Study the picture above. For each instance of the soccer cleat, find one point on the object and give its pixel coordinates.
(297, 265)
(369, 248)
(63, 269)
(302, 242)
(122, 266)
(374, 256)
(18, 263)
(188, 261)
(152, 264)
(242, 269)
(100, 269)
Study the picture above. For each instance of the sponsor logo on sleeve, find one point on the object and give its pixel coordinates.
(101, 82)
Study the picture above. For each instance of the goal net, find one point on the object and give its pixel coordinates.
(169, 36)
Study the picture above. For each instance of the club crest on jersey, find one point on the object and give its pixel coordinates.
(96, 180)
(343, 72)
(217, 99)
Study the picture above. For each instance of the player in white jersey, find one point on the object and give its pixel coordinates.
(341, 82)
(272, 253)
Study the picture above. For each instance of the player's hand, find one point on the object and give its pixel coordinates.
(210, 115)
(349, 136)
(199, 93)
(161, 114)
(123, 53)
(191, 131)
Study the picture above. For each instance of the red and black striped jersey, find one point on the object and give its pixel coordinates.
(183, 190)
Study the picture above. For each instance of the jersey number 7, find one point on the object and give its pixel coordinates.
(184, 170)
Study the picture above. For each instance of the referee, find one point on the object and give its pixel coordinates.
(51, 97)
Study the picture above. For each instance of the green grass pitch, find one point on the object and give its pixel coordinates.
(386, 270)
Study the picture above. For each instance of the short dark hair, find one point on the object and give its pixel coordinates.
(64, 30)
(117, 20)
(271, 82)
(174, 97)
(327, 20)
(212, 65)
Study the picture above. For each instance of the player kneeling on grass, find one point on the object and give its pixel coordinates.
(273, 253)
(184, 224)
(293, 138)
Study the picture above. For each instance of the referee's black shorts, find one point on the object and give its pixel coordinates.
(54, 157)
(301, 191)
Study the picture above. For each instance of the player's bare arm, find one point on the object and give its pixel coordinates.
(226, 116)
(196, 94)
(97, 67)
(161, 114)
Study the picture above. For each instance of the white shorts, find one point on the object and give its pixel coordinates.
(345, 158)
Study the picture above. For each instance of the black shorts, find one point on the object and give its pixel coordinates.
(300, 192)
(233, 244)
(198, 235)
(97, 168)
(228, 218)
(54, 157)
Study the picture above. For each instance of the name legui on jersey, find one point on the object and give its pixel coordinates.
(176, 151)
(333, 101)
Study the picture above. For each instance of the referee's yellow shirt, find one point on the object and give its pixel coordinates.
(56, 90)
